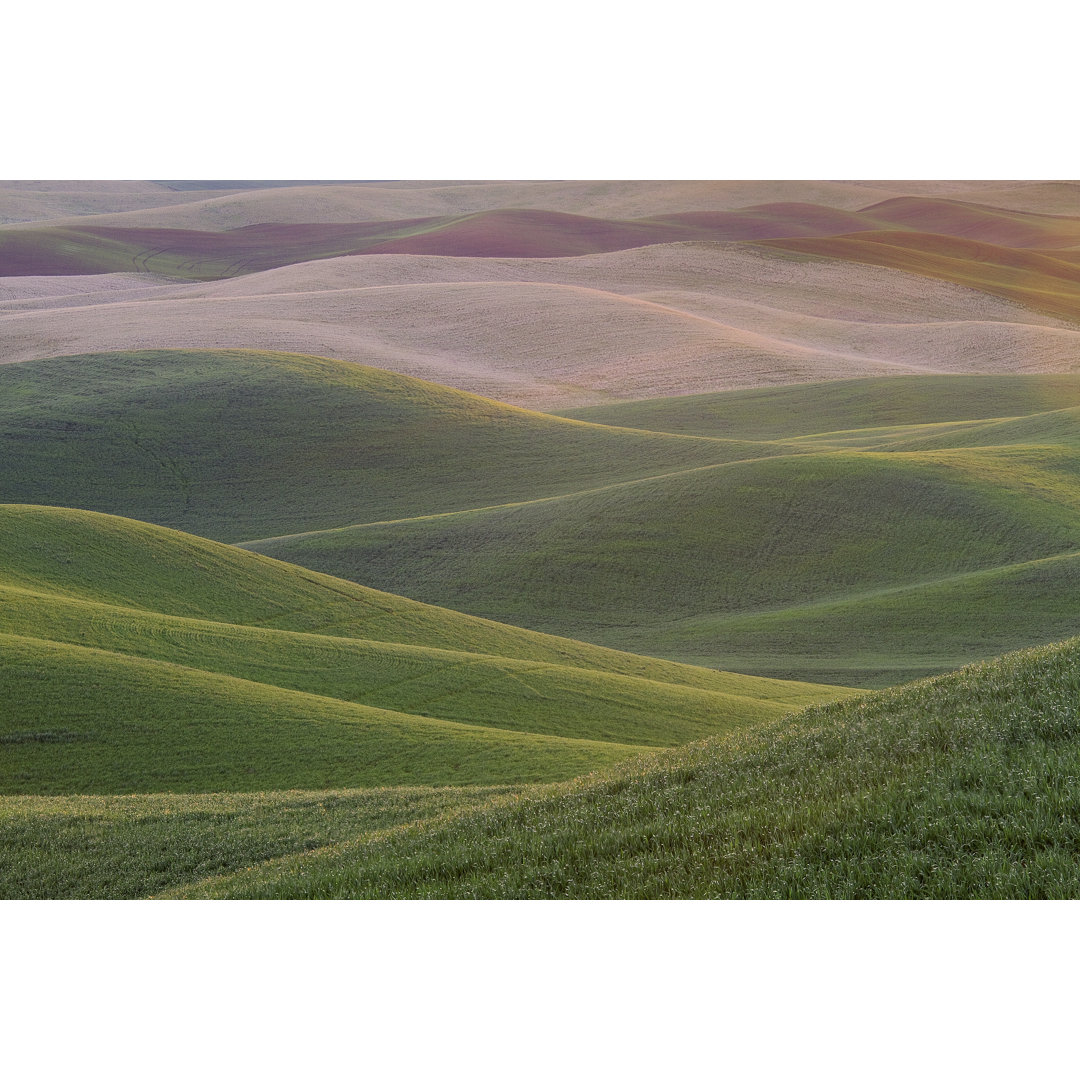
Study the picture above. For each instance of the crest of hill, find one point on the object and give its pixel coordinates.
(501, 233)
(80, 247)
(1034, 196)
(232, 701)
(239, 444)
(947, 217)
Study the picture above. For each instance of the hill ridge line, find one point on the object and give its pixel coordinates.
(887, 590)
(459, 657)
(884, 455)
(396, 713)
(534, 502)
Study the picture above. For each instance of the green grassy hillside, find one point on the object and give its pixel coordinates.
(779, 561)
(83, 720)
(845, 405)
(884, 636)
(138, 659)
(235, 444)
(958, 787)
(128, 846)
(658, 564)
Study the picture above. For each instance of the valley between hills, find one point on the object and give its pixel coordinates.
(581, 539)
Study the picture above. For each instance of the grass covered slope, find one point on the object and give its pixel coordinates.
(87, 721)
(846, 405)
(120, 847)
(884, 636)
(236, 444)
(959, 787)
(657, 565)
(139, 659)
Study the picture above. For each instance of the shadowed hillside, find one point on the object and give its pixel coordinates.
(234, 445)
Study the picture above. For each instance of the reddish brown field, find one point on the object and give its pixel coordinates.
(510, 233)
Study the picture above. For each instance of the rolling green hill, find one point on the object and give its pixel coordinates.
(958, 787)
(138, 659)
(774, 532)
(844, 405)
(662, 565)
(235, 444)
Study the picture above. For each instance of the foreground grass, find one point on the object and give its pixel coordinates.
(961, 786)
(124, 847)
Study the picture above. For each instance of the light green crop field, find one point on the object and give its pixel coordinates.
(961, 786)
(113, 685)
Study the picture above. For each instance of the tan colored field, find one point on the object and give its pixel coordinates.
(378, 202)
(63, 290)
(142, 204)
(1034, 196)
(554, 333)
(45, 200)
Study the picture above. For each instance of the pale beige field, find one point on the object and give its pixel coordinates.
(64, 290)
(554, 333)
(139, 203)
(1033, 196)
(402, 200)
(45, 200)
